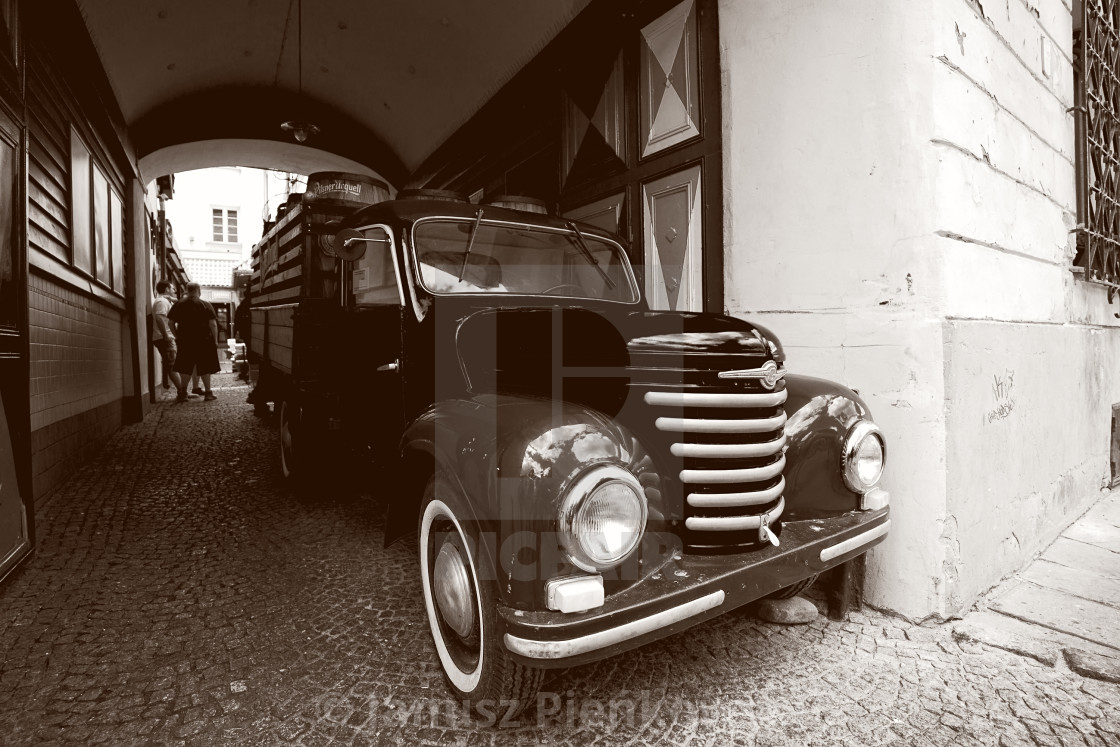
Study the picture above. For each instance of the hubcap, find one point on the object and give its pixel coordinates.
(453, 591)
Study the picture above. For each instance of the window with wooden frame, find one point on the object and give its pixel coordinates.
(640, 149)
(224, 222)
(96, 219)
(10, 45)
(10, 249)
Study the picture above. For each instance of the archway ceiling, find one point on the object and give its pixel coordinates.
(387, 81)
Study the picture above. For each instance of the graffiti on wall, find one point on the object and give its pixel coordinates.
(1002, 389)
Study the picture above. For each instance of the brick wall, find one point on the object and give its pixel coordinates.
(77, 381)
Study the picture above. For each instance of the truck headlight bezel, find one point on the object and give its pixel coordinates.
(853, 456)
(603, 483)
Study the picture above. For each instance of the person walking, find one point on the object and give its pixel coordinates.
(196, 330)
(162, 336)
(243, 328)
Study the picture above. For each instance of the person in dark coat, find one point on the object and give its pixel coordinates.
(196, 330)
(243, 328)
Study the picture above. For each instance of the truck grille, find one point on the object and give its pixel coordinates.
(726, 443)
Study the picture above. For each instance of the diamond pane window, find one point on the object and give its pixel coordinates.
(670, 91)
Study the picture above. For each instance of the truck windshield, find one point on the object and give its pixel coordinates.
(520, 259)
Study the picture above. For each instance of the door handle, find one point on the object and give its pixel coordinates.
(394, 366)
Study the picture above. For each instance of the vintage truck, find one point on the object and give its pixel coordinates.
(582, 474)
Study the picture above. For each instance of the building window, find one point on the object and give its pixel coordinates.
(1096, 86)
(81, 195)
(225, 225)
(97, 221)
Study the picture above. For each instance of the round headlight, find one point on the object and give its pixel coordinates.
(865, 454)
(602, 517)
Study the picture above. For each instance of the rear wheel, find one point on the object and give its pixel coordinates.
(290, 421)
(303, 452)
(461, 603)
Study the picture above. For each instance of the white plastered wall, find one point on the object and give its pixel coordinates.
(1028, 347)
(828, 235)
(899, 192)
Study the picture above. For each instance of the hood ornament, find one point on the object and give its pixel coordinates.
(768, 375)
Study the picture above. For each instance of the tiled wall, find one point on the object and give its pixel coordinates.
(77, 379)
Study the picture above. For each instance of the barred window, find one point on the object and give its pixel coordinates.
(1097, 90)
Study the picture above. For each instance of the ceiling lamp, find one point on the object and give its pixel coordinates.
(299, 129)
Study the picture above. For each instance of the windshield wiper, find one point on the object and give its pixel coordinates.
(470, 243)
(589, 256)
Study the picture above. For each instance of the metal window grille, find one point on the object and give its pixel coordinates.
(1097, 78)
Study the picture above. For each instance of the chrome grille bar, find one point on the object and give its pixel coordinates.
(699, 425)
(718, 476)
(719, 432)
(734, 500)
(715, 399)
(734, 523)
(728, 451)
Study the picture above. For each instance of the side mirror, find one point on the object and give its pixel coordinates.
(349, 244)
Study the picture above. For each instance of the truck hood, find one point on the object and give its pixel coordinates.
(592, 356)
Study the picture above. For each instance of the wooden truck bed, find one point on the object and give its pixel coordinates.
(290, 271)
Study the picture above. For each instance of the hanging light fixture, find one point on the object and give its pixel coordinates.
(299, 129)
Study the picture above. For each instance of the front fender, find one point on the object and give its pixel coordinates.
(820, 413)
(513, 458)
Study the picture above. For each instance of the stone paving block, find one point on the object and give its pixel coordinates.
(1076, 554)
(1061, 611)
(997, 633)
(1077, 581)
(1106, 509)
(1095, 530)
(1098, 667)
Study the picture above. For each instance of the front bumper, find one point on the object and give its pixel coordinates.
(690, 590)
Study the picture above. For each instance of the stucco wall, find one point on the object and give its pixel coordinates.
(828, 234)
(1028, 347)
(899, 197)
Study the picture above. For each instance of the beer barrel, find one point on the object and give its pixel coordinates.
(431, 194)
(341, 188)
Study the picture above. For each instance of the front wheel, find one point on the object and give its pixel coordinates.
(461, 602)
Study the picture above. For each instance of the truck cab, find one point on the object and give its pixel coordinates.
(582, 474)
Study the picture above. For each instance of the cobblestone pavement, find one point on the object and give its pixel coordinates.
(180, 594)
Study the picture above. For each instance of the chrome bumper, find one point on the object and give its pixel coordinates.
(570, 639)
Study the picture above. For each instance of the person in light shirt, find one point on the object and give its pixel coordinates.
(162, 335)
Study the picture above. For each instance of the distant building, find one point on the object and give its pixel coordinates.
(218, 215)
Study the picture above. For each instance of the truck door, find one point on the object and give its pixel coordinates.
(377, 301)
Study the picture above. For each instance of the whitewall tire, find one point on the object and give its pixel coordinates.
(461, 605)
